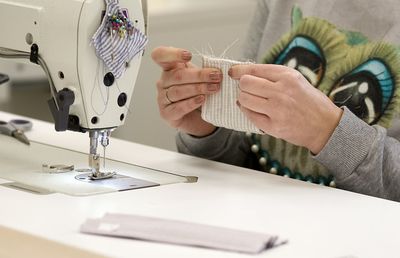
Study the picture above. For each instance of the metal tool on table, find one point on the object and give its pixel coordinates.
(16, 128)
(3, 78)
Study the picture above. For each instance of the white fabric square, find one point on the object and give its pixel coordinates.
(220, 109)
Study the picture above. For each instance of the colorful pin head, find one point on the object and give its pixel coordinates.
(119, 24)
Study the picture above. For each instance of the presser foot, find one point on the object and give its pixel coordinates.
(102, 175)
(96, 176)
(92, 174)
(94, 164)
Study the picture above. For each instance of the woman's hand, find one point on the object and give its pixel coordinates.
(182, 89)
(282, 103)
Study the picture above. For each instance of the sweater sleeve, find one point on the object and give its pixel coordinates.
(256, 30)
(363, 158)
(223, 145)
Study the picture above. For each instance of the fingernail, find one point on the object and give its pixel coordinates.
(199, 99)
(212, 87)
(230, 71)
(237, 103)
(186, 55)
(215, 76)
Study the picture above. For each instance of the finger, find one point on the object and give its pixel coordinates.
(169, 57)
(255, 103)
(270, 72)
(185, 65)
(261, 121)
(258, 86)
(178, 110)
(191, 75)
(180, 92)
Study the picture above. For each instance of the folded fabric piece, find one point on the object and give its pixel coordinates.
(180, 233)
(117, 41)
(220, 109)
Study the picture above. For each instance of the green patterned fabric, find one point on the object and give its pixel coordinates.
(328, 56)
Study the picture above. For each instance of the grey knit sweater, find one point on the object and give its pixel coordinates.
(363, 156)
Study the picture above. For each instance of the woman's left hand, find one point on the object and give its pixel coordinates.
(283, 104)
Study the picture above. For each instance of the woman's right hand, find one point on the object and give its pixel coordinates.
(182, 90)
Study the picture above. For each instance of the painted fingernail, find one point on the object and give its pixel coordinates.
(199, 99)
(215, 76)
(186, 56)
(230, 71)
(212, 87)
(237, 103)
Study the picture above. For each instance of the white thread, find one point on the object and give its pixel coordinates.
(104, 99)
(229, 47)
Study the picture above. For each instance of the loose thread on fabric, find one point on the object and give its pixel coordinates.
(209, 52)
(229, 47)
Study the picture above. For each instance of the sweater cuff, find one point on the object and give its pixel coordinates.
(206, 147)
(348, 146)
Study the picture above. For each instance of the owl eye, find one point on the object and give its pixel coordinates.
(304, 55)
(366, 91)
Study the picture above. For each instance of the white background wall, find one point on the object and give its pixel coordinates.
(190, 24)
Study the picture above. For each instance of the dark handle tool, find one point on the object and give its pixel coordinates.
(4, 78)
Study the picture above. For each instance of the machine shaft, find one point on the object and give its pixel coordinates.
(94, 157)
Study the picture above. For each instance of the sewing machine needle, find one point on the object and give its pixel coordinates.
(104, 158)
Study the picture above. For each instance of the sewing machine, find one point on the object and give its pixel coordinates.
(56, 34)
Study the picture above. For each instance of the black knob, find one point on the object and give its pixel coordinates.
(109, 79)
(122, 98)
(94, 120)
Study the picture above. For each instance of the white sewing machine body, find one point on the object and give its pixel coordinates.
(63, 29)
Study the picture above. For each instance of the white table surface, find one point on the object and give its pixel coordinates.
(318, 221)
